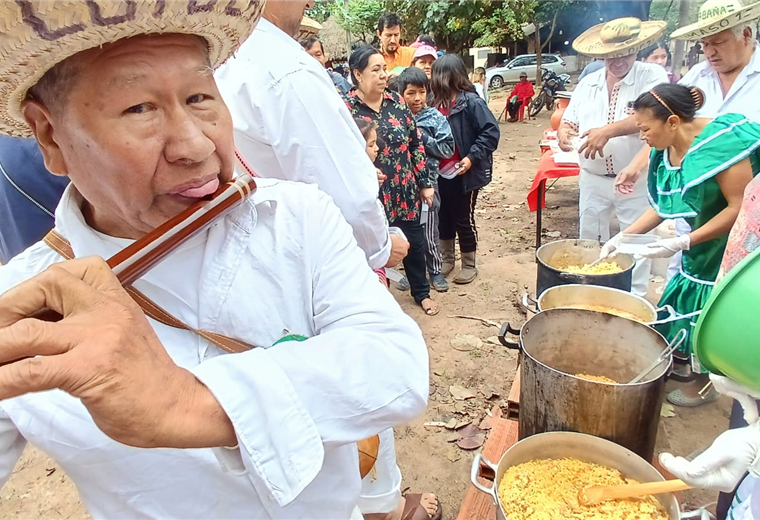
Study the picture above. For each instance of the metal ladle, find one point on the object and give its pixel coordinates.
(665, 355)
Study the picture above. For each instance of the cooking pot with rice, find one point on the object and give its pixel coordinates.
(579, 448)
(556, 261)
(599, 299)
(559, 345)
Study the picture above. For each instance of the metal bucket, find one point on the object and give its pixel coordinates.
(578, 252)
(559, 343)
(585, 448)
(582, 296)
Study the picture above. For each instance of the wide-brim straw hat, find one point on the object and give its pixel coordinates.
(38, 34)
(309, 28)
(619, 37)
(717, 16)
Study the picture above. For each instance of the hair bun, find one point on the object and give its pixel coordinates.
(698, 96)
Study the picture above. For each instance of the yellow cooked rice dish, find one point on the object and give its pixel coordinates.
(607, 310)
(548, 490)
(600, 268)
(598, 379)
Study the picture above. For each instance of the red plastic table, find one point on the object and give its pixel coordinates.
(547, 169)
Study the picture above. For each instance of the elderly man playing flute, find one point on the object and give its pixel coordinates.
(151, 419)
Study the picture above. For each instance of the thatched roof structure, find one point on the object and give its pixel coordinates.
(333, 38)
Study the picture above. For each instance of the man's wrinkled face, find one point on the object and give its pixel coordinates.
(143, 133)
(318, 53)
(620, 67)
(390, 38)
(725, 52)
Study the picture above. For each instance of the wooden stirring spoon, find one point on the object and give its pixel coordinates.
(595, 494)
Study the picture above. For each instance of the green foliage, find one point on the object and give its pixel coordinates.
(668, 10)
(358, 16)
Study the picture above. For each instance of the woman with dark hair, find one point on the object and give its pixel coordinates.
(402, 160)
(698, 170)
(476, 137)
(314, 47)
(658, 54)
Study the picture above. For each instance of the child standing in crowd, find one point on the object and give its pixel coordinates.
(439, 144)
(402, 159)
(476, 137)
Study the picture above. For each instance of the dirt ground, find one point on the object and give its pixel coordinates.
(428, 460)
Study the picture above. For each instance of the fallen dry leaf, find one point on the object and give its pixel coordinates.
(461, 393)
(453, 454)
(493, 340)
(453, 437)
(435, 424)
(553, 234)
(486, 423)
(667, 410)
(462, 423)
(465, 342)
(451, 424)
(472, 443)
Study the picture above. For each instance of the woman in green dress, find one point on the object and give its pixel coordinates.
(698, 170)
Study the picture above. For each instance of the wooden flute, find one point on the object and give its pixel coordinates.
(143, 254)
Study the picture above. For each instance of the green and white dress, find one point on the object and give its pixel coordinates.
(691, 191)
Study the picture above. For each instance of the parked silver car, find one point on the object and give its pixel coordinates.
(498, 76)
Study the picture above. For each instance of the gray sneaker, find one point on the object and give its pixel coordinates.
(439, 283)
(403, 284)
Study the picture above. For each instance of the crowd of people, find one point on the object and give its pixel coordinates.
(115, 124)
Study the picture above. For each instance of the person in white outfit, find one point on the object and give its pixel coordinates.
(600, 113)
(150, 419)
(290, 123)
(729, 76)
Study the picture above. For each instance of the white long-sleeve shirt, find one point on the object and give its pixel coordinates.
(286, 260)
(742, 98)
(291, 124)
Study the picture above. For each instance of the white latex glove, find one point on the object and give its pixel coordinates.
(667, 247)
(611, 245)
(724, 463)
(741, 393)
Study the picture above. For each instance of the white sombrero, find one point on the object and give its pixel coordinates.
(619, 37)
(309, 28)
(716, 16)
(35, 35)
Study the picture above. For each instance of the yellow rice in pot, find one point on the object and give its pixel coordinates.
(548, 490)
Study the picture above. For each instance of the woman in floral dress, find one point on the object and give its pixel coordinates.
(401, 159)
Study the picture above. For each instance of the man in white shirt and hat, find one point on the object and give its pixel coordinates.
(291, 124)
(600, 113)
(150, 419)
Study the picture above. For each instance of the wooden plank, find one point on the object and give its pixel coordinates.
(513, 401)
(478, 505)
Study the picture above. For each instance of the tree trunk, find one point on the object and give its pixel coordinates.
(678, 53)
(540, 46)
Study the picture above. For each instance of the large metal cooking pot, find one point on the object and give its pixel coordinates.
(579, 296)
(557, 445)
(578, 252)
(559, 343)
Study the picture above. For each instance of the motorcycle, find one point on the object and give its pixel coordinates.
(551, 84)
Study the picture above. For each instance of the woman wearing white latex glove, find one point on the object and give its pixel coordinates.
(698, 170)
(667, 247)
(725, 464)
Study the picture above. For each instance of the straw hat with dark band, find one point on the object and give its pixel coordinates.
(309, 28)
(717, 16)
(38, 34)
(619, 37)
